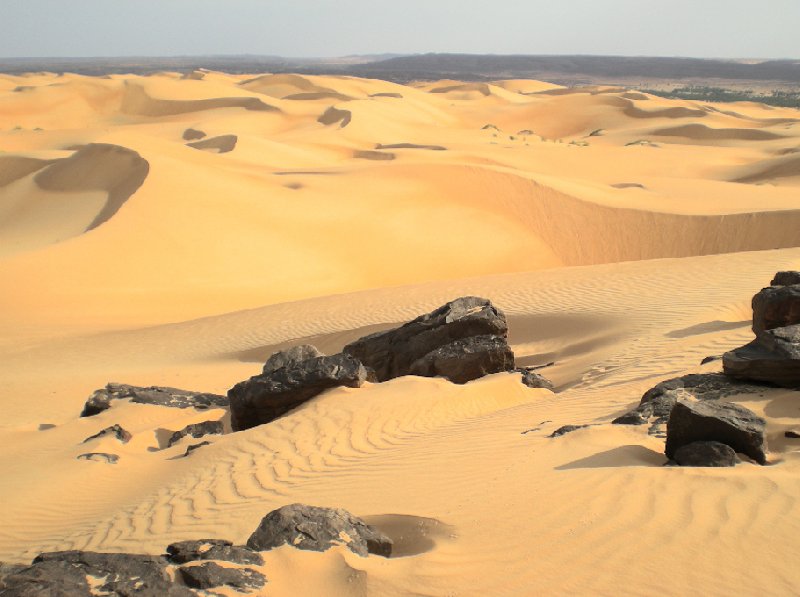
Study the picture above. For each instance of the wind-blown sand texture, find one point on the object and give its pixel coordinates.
(625, 257)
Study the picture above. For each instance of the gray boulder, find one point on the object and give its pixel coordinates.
(212, 549)
(65, 574)
(407, 350)
(197, 430)
(101, 399)
(210, 575)
(730, 424)
(773, 357)
(788, 278)
(318, 529)
(534, 380)
(706, 454)
(467, 359)
(290, 357)
(776, 307)
(114, 431)
(266, 397)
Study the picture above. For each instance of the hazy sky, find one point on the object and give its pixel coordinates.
(703, 28)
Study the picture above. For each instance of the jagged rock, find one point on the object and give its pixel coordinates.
(197, 430)
(318, 529)
(212, 549)
(533, 380)
(776, 307)
(64, 574)
(403, 350)
(658, 401)
(99, 457)
(291, 356)
(723, 422)
(566, 429)
(788, 278)
(159, 396)
(114, 431)
(773, 357)
(467, 359)
(210, 575)
(706, 454)
(194, 447)
(266, 397)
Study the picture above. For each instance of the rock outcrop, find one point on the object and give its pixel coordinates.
(197, 430)
(469, 329)
(730, 424)
(183, 552)
(318, 529)
(266, 397)
(289, 357)
(706, 454)
(210, 575)
(773, 357)
(156, 395)
(788, 278)
(776, 307)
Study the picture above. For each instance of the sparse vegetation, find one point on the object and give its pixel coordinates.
(785, 99)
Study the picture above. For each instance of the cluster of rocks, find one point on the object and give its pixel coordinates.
(699, 427)
(189, 566)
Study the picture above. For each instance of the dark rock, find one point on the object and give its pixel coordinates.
(566, 429)
(210, 575)
(392, 353)
(194, 447)
(197, 430)
(792, 434)
(659, 400)
(467, 359)
(99, 457)
(533, 380)
(192, 135)
(159, 396)
(723, 422)
(292, 356)
(789, 278)
(776, 307)
(64, 574)
(114, 431)
(212, 549)
(711, 359)
(264, 398)
(773, 357)
(706, 454)
(318, 529)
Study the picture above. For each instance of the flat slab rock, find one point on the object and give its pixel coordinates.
(210, 575)
(101, 399)
(318, 529)
(420, 347)
(266, 397)
(212, 549)
(730, 424)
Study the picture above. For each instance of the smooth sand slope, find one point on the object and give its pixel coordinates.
(623, 234)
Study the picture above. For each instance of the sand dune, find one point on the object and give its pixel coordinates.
(623, 234)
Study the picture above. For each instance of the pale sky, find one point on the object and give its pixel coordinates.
(324, 28)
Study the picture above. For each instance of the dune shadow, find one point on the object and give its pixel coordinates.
(620, 457)
(412, 535)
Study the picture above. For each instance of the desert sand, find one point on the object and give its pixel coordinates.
(623, 235)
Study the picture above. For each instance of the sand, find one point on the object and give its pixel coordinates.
(625, 257)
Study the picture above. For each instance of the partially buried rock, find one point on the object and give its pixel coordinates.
(65, 574)
(469, 327)
(290, 357)
(741, 429)
(156, 395)
(533, 380)
(467, 359)
(706, 454)
(212, 549)
(194, 447)
(100, 457)
(773, 357)
(197, 430)
(114, 431)
(266, 397)
(318, 529)
(210, 575)
(566, 429)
